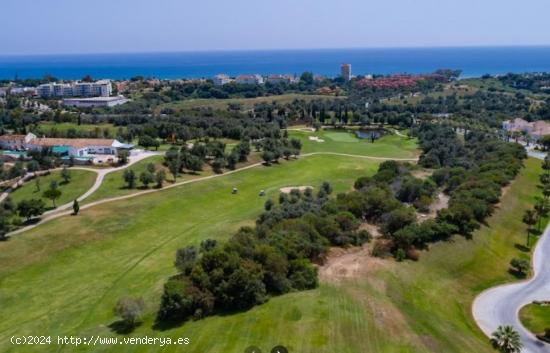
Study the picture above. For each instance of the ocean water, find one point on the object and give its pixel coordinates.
(473, 61)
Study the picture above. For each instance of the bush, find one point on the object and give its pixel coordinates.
(129, 310)
(520, 266)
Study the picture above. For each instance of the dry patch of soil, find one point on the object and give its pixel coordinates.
(441, 202)
(343, 264)
(371, 228)
(422, 173)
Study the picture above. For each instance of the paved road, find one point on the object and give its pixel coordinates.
(500, 305)
(101, 173)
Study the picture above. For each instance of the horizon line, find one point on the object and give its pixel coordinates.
(488, 46)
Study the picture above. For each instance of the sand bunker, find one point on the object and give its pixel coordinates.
(288, 189)
(316, 139)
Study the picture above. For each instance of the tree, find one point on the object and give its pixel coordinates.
(307, 78)
(160, 176)
(65, 175)
(520, 266)
(30, 208)
(53, 193)
(76, 207)
(186, 258)
(507, 340)
(545, 142)
(218, 164)
(146, 178)
(147, 141)
(123, 156)
(268, 156)
(529, 218)
(151, 168)
(326, 187)
(129, 310)
(174, 165)
(37, 184)
(296, 145)
(129, 178)
(542, 208)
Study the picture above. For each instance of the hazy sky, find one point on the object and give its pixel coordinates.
(83, 26)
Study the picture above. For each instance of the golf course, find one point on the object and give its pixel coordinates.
(65, 276)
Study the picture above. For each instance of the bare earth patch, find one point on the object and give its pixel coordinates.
(441, 202)
(422, 173)
(371, 228)
(342, 264)
(288, 189)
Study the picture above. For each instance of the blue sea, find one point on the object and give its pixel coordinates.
(473, 61)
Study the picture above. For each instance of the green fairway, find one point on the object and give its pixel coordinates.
(113, 184)
(81, 181)
(47, 126)
(340, 141)
(536, 318)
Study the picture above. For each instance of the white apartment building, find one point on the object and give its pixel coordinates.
(276, 79)
(249, 79)
(102, 88)
(94, 102)
(221, 79)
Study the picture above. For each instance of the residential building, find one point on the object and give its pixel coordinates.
(345, 71)
(276, 79)
(535, 130)
(12, 142)
(221, 79)
(249, 79)
(94, 102)
(102, 88)
(22, 90)
(64, 146)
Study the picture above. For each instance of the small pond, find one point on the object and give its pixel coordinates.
(372, 134)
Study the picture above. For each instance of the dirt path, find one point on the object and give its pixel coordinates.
(59, 212)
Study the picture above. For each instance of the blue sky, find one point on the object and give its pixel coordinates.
(101, 26)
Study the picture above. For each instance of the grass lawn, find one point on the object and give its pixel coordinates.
(341, 141)
(113, 184)
(536, 318)
(246, 103)
(81, 181)
(63, 127)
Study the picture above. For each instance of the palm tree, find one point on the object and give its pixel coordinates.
(541, 209)
(529, 218)
(506, 340)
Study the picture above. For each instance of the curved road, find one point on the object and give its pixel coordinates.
(500, 305)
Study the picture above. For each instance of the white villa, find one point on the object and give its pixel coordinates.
(65, 146)
(536, 129)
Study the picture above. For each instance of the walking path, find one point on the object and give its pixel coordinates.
(63, 210)
(500, 305)
(99, 179)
